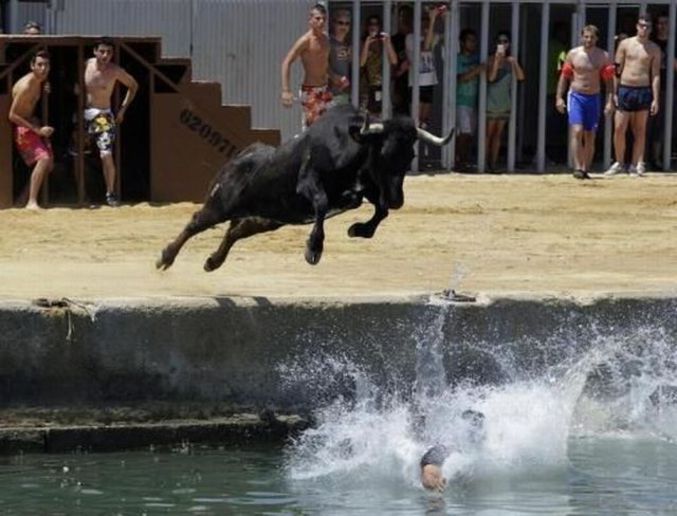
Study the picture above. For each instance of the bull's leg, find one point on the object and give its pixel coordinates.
(201, 220)
(367, 229)
(239, 228)
(310, 187)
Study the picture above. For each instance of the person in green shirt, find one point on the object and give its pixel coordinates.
(468, 71)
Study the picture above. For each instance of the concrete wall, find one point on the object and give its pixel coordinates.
(288, 355)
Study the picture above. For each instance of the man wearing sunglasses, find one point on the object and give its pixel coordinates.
(340, 57)
(637, 88)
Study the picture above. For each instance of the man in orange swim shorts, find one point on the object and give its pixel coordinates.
(31, 137)
(313, 49)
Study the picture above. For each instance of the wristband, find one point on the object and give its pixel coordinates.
(567, 71)
(607, 73)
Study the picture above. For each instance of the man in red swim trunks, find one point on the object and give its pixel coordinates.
(30, 136)
(313, 49)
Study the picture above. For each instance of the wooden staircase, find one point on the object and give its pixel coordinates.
(190, 134)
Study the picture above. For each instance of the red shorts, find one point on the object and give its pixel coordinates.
(31, 146)
(315, 101)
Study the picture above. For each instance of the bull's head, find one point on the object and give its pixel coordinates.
(391, 152)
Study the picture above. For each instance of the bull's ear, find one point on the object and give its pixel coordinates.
(356, 134)
(359, 127)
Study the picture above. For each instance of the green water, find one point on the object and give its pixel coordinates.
(603, 475)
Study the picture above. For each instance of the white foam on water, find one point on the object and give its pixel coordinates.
(528, 420)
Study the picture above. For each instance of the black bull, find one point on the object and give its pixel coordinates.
(327, 170)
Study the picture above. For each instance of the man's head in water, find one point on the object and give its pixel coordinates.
(431, 462)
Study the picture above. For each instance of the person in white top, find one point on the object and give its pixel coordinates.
(427, 74)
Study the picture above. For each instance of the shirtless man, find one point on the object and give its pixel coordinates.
(586, 67)
(101, 74)
(637, 86)
(313, 49)
(31, 137)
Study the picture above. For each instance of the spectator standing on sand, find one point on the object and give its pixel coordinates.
(637, 94)
(585, 68)
(101, 76)
(340, 57)
(313, 49)
(371, 61)
(30, 134)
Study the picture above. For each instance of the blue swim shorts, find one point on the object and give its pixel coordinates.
(634, 98)
(584, 110)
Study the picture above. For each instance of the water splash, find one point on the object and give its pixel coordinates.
(620, 384)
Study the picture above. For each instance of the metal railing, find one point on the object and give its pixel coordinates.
(515, 126)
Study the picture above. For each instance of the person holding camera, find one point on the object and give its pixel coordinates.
(468, 72)
(427, 73)
(371, 61)
(501, 68)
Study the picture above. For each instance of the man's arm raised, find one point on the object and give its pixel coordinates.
(293, 54)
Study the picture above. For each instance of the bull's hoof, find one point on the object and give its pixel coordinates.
(359, 229)
(313, 256)
(164, 262)
(211, 264)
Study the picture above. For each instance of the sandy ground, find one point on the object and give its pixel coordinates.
(493, 235)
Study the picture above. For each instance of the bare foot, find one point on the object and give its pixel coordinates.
(32, 205)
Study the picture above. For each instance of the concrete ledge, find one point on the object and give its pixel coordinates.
(241, 354)
(102, 438)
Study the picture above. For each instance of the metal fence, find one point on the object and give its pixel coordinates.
(241, 43)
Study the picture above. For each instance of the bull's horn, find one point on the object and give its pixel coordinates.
(371, 129)
(432, 139)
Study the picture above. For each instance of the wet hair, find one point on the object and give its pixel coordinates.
(40, 52)
(465, 33)
(591, 28)
(319, 8)
(105, 41)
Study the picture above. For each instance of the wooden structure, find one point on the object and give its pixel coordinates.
(175, 136)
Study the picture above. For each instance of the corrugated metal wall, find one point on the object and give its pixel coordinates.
(170, 19)
(31, 11)
(239, 43)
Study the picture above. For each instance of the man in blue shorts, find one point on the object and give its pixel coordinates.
(584, 70)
